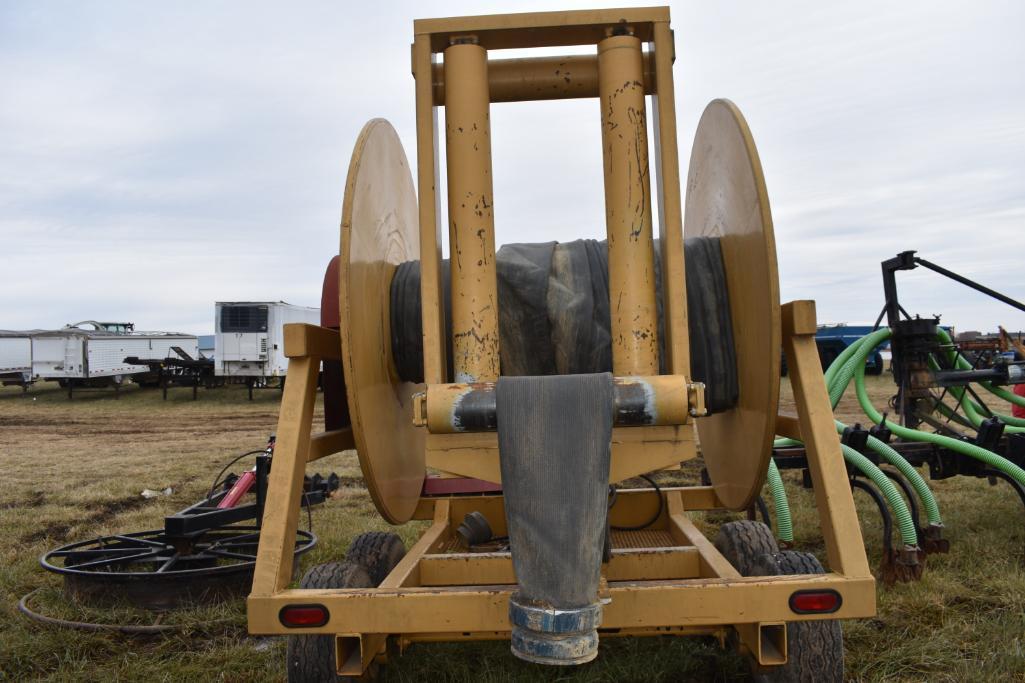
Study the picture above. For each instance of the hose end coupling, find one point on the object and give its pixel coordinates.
(552, 636)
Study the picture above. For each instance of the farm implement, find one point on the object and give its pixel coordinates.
(498, 394)
(942, 422)
(204, 553)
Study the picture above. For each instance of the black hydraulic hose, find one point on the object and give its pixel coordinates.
(217, 479)
(127, 629)
(909, 494)
(654, 518)
(884, 512)
(764, 510)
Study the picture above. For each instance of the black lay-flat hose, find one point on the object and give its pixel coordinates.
(554, 314)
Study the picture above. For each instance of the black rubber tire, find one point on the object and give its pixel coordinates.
(311, 659)
(877, 365)
(378, 552)
(814, 648)
(743, 542)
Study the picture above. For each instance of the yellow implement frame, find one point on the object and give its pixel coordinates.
(678, 584)
(668, 578)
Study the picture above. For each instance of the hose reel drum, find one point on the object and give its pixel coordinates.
(726, 204)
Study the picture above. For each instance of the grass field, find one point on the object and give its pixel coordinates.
(74, 470)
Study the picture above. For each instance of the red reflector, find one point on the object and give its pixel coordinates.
(815, 602)
(303, 616)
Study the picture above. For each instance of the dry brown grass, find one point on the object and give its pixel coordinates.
(74, 470)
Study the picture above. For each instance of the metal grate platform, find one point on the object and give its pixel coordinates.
(645, 538)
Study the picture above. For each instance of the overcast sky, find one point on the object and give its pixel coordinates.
(158, 157)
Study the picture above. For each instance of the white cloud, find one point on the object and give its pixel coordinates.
(154, 159)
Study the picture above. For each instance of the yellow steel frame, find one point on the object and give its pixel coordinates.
(681, 585)
(634, 450)
(681, 588)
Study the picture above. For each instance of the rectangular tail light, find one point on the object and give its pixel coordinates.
(815, 602)
(303, 616)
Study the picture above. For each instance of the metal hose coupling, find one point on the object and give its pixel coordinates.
(549, 635)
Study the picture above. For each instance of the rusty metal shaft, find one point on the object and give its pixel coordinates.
(471, 221)
(628, 207)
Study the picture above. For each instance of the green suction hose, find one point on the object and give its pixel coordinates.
(969, 449)
(847, 362)
(784, 523)
(971, 408)
(1008, 396)
(907, 526)
(908, 471)
(905, 523)
(839, 375)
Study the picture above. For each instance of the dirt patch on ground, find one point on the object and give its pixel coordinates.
(35, 499)
(105, 512)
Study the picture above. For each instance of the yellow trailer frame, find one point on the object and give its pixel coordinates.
(684, 586)
(668, 579)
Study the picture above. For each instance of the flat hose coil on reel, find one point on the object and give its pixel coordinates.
(554, 314)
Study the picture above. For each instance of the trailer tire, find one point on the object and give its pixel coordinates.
(877, 365)
(815, 648)
(311, 659)
(378, 552)
(743, 542)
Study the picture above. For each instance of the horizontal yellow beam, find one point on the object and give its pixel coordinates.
(788, 426)
(633, 506)
(540, 29)
(469, 636)
(329, 443)
(648, 564)
(635, 604)
(303, 339)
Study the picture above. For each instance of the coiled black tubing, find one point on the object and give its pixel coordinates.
(553, 302)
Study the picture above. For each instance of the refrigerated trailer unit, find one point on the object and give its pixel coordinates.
(16, 358)
(77, 357)
(249, 340)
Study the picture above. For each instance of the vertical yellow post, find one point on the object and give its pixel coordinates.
(624, 129)
(471, 221)
(275, 555)
(670, 209)
(432, 304)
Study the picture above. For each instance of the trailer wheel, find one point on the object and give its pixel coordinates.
(877, 365)
(815, 648)
(311, 659)
(378, 552)
(744, 542)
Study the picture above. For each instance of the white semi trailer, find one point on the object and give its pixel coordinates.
(16, 357)
(78, 357)
(249, 342)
